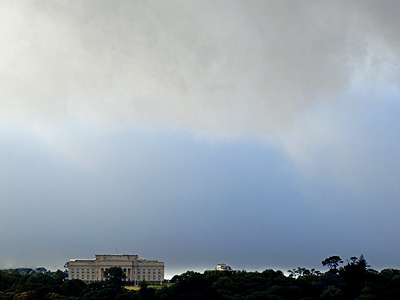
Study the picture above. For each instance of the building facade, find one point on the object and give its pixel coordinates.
(136, 269)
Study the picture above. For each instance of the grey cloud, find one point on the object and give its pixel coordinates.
(277, 71)
(80, 80)
(223, 68)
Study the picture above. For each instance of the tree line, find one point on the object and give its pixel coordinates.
(344, 280)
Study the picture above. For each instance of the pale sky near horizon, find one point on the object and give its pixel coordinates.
(260, 134)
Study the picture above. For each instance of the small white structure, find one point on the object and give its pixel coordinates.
(223, 267)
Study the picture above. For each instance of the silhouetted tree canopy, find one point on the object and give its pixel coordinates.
(332, 262)
(352, 281)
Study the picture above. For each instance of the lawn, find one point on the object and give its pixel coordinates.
(136, 288)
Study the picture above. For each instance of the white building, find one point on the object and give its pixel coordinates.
(136, 269)
(223, 267)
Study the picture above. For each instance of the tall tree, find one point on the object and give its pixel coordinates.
(332, 263)
(59, 276)
(114, 276)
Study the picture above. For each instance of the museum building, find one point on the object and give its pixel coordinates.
(136, 269)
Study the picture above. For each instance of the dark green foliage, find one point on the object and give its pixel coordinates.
(29, 271)
(332, 293)
(114, 277)
(8, 279)
(175, 279)
(59, 276)
(146, 293)
(355, 281)
(73, 287)
(332, 263)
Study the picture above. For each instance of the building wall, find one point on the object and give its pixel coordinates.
(136, 269)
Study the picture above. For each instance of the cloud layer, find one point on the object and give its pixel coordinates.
(227, 69)
(264, 124)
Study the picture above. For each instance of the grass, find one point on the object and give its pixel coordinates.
(157, 287)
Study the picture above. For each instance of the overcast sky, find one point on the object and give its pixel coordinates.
(260, 134)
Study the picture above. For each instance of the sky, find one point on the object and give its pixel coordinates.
(260, 134)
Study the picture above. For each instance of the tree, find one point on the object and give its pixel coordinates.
(73, 287)
(299, 272)
(145, 293)
(332, 263)
(59, 276)
(332, 293)
(355, 270)
(362, 263)
(176, 278)
(114, 276)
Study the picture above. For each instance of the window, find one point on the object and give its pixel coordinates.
(88, 277)
(148, 277)
(148, 271)
(77, 276)
(93, 276)
(92, 270)
(87, 270)
(72, 276)
(72, 270)
(138, 271)
(154, 271)
(159, 271)
(83, 270)
(77, 270)
(159, 277)
(138, 277)
(154, 277)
